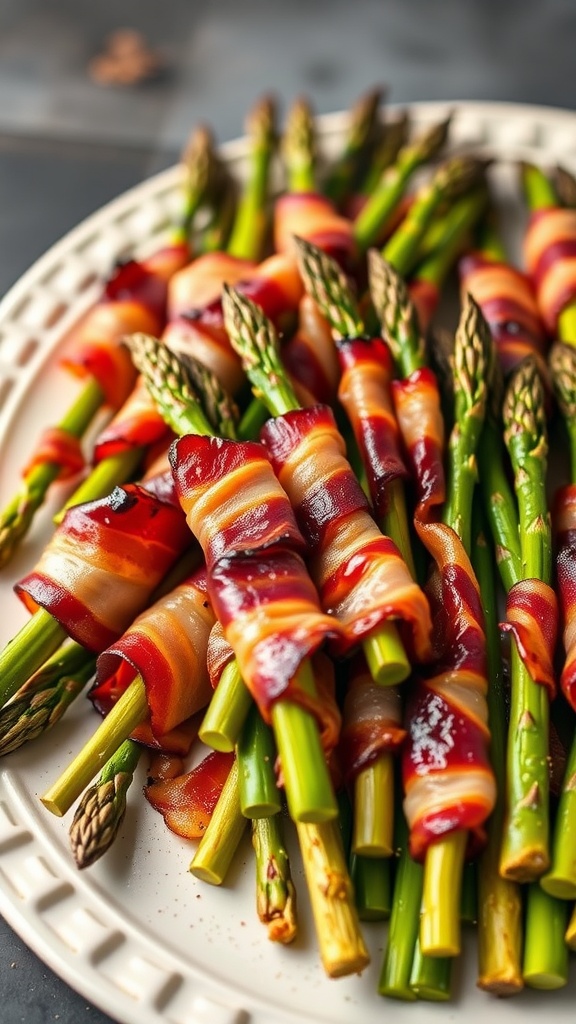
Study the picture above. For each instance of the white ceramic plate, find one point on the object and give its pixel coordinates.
(137, 934)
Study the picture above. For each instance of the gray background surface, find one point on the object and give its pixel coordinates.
(68, 145)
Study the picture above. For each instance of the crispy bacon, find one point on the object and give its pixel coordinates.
(257, 579)
(310, 356)
(448, 781)
(507, 300)
(187, 801)
(371, 720)
(167, 645)
(364, 392)
(103, 562)
(61, 448)
(564, 520)
(137, 424)
(550, 260)
(219, 653)
(360, 575)
(198, 329)
(314, 217)
(134, 299)
(532, 618)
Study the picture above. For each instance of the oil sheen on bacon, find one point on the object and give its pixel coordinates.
(103, 562)
(257, 580)
(359, 573)
(448, 781)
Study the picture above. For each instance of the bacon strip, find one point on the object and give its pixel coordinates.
(532, 618)
(448, 781)
(359, 573)
(167, 645)
(364, 391)
(61, 448)
(133, 299)
(564, 520)
(187, 801)
(507, 300)
(257, 579)
(103, 562)
(371, 720)
(310, 356)
(136, 424)
(313, 217)
(550, 259)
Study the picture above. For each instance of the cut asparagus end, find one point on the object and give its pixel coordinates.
(374, 809)
(227, 711)
(386, 656)
(220, 841)
(440, 917)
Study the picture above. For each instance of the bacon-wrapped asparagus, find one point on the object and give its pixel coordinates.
(134, 298)
(448, 716)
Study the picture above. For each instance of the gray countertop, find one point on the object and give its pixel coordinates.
(68, 145)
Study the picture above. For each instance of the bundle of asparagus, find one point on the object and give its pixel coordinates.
(298, 568)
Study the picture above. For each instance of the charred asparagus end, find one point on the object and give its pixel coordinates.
(329, 287)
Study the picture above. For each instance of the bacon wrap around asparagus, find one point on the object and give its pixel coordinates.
(134, 299)
(532, 619)
(364, 391)
(167, 645)
(425, 296)
(257, 580)
(507, 300)
(313, 217)
(448, 780)
(103, 562)
(371, 720)
(360, 575)
(564, 521)
(136, 424)
(219, 653)
(61, 448)
(310, 356)
(196, 327)
(550, 260)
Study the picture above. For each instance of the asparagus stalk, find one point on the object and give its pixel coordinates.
(256, 753)
(525, 853)
(342, 947)
(220, 841)
(395, 136)
(275, 892)
(43, 699)
(372, 881)
(545, 953)
(394, 182)
(453, 179)
(101, 810)
(254, 338)
(344, 172)
(298, 147)
(570, 935)
(499, 899)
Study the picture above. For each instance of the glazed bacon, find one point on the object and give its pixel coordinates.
(550, 260)
(564, 519)
(313, 217)
(448, 781)
(187, 801)
(167, 646)
(507, 300)
(360, 575)
(257, 579)
(103, 563)
(364, 391)
(311, 358)
(371, 720)
(134, 299)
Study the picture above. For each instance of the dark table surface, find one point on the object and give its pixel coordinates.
(68, 145)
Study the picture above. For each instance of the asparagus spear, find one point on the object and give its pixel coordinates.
(394, 137)
(43, 699)
(525, 853)
(202, 171)
(101, 811)
(275, 892)
(362, 129)
(298, 147)
(499, 899)
(395, 180)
